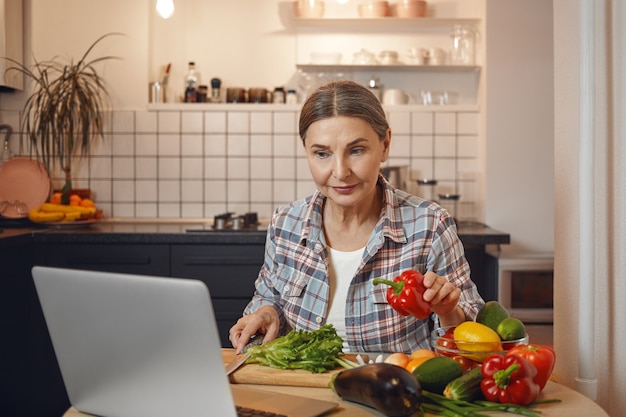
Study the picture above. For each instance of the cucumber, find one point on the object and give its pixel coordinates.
(434, 374)
(466, 387)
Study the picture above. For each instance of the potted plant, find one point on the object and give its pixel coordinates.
(65, 112)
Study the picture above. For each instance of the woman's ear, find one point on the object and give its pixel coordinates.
(386, 145)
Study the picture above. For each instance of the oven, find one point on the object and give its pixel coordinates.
(526, 287)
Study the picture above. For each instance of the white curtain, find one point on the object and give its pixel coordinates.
(608, 242)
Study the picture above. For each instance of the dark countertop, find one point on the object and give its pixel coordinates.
(176, 232)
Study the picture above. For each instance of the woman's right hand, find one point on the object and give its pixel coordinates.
(264, 321)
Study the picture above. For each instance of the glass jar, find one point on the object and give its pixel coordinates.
(462, 51)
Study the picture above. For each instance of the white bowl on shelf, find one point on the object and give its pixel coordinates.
(326, 58)
(374, 9)
(409, 8)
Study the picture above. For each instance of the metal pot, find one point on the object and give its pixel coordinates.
(396, 175)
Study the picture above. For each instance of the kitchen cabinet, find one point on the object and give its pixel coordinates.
(229, 271)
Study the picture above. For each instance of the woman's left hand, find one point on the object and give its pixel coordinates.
(443, 297)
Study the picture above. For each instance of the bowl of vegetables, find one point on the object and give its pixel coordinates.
(472, 341)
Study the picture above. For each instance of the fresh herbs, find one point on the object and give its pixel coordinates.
(315, 351)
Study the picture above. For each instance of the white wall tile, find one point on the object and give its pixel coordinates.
(302, 169)
(261, 190)
(192, 122)
(146, 167)
(238, 191)
(192, 168)
(192, 145)
(422, 147)
(123, 191)
(169, 190)
(284, 145)
(146, 121)
(261, 122)
(238, 168)
(169, 144)
(400, 146)
(215, 122)
(215, 145)
(123, 209)
(238, 122)
(445, 146)
(100, 168)
(215, 168)
(169, 122)
(284, 168)
(123, 144)
(422, 122)
(123, 168)
(168, 168)
(445, 123)
(285, 122)
(284, 191)
(146, 144)
(400, 122)
(146, 191)
(445, 169)
(261, 145)
(261, 168)
(238, 145)
(101, 190)
(468, 123)
(215, 191)
(468, 146)
(192, 210)
(123, 121)
(304, 188)
(192, 191)
(146, 210)
(169, 210)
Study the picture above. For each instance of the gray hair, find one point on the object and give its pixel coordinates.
(343, 98)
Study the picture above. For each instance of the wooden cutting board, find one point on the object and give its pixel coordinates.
(253, 373)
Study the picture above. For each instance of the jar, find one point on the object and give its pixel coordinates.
(292, 97)
(462, 51)
(428, 188)
(451, 203)
(279, 95)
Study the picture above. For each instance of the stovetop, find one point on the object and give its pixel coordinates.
(231, 222)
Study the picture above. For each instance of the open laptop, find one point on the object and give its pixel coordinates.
(137, 346)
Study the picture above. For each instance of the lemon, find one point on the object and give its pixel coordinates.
(511, 329)
(476, 337)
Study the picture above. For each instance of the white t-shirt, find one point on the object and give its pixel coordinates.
(343, 266)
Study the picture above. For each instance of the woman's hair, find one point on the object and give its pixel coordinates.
(343, 98)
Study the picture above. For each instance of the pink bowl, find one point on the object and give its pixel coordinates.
(308, 8)
(374, 9)
(409, 8)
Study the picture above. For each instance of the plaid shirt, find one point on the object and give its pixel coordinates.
(411, 234)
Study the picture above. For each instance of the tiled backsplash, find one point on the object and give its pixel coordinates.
(182, 162)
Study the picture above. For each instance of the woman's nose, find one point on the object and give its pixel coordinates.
(341, 169)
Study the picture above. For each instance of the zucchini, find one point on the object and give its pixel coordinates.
(390, 389)
(465, 387)
(434, 374)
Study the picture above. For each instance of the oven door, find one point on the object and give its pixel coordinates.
(526, 288)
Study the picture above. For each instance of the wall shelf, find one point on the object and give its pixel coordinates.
(398, 67)
(388, 23)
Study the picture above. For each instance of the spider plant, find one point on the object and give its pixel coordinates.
(65, 112)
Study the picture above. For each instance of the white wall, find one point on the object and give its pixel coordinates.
(519, 123)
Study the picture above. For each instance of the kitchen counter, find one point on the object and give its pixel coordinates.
(155, 231)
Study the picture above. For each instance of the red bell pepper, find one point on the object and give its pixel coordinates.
(543, 357)
(405, 294)
(509, 379)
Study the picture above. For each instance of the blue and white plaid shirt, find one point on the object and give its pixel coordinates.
(411, 233)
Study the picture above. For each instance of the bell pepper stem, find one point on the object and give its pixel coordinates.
(397, 286)
(503, 376)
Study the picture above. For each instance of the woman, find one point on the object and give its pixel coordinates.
(323, 252)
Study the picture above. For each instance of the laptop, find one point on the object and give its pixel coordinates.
(138, 346)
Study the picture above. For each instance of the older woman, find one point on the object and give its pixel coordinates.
(324, 251)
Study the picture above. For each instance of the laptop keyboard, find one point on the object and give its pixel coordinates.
(251, 412)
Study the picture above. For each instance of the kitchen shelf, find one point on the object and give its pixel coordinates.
(398, 67)
(382, 22)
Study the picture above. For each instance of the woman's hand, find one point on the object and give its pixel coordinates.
(443, 297)
(263, 321)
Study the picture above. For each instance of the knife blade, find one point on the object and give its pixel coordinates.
(239, 360)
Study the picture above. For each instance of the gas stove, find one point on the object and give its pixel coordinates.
(232, 222)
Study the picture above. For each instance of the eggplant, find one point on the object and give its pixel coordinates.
(390, 389)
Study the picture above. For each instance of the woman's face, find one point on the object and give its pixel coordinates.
(344, 155)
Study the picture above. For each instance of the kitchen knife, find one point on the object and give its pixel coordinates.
(236, 363)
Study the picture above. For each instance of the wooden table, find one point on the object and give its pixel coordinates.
(572, 403)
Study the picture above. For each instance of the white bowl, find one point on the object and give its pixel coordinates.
(374, 9)
(308, 8)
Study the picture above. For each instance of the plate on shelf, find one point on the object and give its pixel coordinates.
(24, 180)
(78, 224)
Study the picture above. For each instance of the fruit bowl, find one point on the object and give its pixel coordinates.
(443, 343)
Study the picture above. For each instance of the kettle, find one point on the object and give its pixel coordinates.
(395, 175)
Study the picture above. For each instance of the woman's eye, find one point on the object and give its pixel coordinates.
(357, 151)
(321, 154)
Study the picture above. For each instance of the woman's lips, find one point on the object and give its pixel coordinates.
(346, 189)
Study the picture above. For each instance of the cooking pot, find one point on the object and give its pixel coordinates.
(396, 175)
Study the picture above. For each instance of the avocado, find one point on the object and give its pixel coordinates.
(491, 314)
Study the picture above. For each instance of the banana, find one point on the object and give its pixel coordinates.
(55, 208)
(38, 216)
